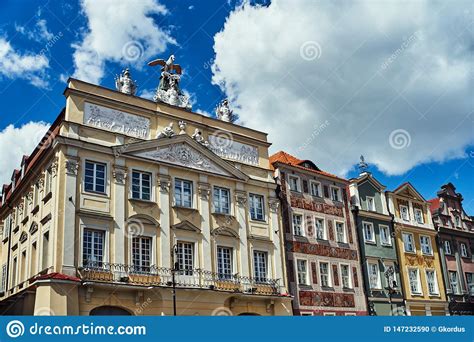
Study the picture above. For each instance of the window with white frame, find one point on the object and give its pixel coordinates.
(36, 195)
(224, 262)
(302, 268)
(385, 238)
(221, 200)
(447, 247)
(432, 282)
(414, 278)
(374, 275)
(260, 264)
(404, 213)
(324, 274)
(257, 207)
(320, 229)
(183, 193)
(315, 188)
(408, 243)
(463, 250)
(453, 281)
(336, 194)
(141, 185)
(298, 225)
(185, 257)
(418, 216)
(470, 282)
(370, 203)
(294, 183)
(7, 226)
(93, 245)
(49, 180)
(369, 235)
(95, 177)
(340, 232)
(425, 242)
(141, 254)
(457, 221)
(346, 276)
(3, 284)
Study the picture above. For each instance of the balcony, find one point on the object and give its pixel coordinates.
(189, 279)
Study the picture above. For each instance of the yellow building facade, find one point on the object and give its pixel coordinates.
(126, 198)
(420, 266)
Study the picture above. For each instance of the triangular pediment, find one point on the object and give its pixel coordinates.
(186, 225)
(181, 151)
(407, 190)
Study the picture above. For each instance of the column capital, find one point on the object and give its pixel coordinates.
(273, 204)
(241, 197)
(120, 174)
(164, 182)
(204, 190)
(72, 165)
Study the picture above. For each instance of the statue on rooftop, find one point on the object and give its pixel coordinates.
(168, 90)
(224, 113)
(125, 84)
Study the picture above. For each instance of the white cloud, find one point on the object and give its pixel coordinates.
(119, 31)
(331, 81)
(16, 142)
(29, 66)
(147, 94)
(202, 112)
(39, 32)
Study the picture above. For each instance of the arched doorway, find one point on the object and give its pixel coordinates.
(109, 311)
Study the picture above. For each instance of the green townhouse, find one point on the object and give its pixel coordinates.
(377, 245)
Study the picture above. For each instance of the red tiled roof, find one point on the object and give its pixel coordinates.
(434, 204)
(286, 158)
(56, 276)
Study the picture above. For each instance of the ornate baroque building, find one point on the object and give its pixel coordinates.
(322, 255)
(378, 250)
(126, 198)
(456, 247)
(419, 260)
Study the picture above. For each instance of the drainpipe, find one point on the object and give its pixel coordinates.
(355, 213)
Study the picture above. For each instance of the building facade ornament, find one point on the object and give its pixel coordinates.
(197, 136)
(182, 127)
(164, 182)
(167, 132)
(40, 184)
(204, 191)
(241, 198)
(224, 113)
(125, 84)
(274, 204)
(29, 197)
(229, 149)
(168, 90)
(54, 167)
(120, 175)
(72, 166)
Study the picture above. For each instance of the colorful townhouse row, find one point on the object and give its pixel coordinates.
(136, 207)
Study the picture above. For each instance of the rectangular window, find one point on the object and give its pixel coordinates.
(374, 276)
(414, 277)
(34, 258)
(431, 282)
(14, 270)
(221, 200)
(370, 203)
(260, 260)
(257, 211)
(369, 235)
(320, 229)
(425, 242)
(385, 238)
(183, 193)
(3, 286)
(294, 183)
(298, 225)
(224, 262)
(315, 189)
(301, 266)
(340, 232)
(453, 281)
(141, 185)
(404, 213)
(447, 247)
(457, 221)
(49, 180)
(470, 283)
(463, 250)
(95, 177)
(93, 248)
(185, 256)
(45, 253)
(36, 191)
(419, 216)
(7, 226)
(408, 244)
(324, 274)
(335, 194)
(346, 276)
(141, 254)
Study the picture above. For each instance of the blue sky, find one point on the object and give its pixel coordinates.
(321, 108)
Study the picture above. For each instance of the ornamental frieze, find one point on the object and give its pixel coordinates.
(322, 250)
(313, 298)
(308, 204)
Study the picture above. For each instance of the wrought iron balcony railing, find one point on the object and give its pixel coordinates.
(188, 278)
